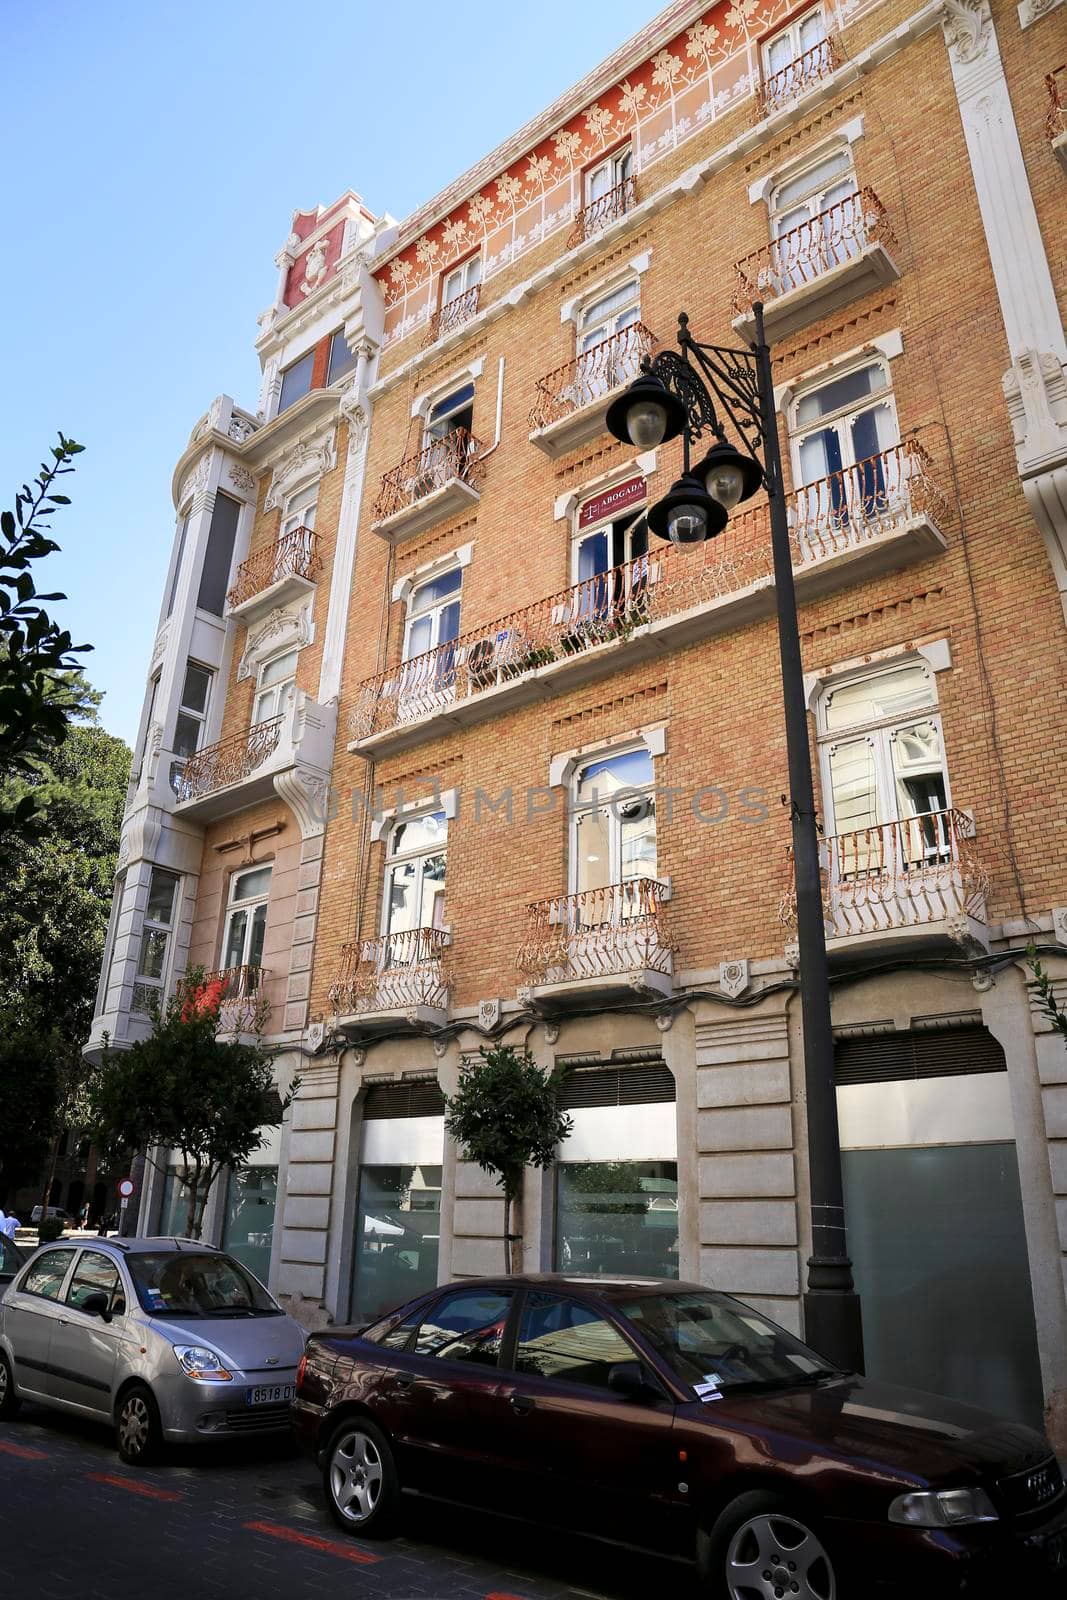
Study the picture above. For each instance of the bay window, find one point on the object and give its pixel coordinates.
(153, 958)
(296, 381)
(192, 710)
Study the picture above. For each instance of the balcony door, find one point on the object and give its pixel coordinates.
(816, 222)
(607, 358)
(414, 911)
(428, 676)
(610, 570)
(246, 924)
(847, 470)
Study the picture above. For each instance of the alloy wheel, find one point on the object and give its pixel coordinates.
(134, 1425)
(356, 1476)
(3, 1382)
(772, 1557)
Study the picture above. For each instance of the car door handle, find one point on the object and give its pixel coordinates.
(64, 1322)
(521, 1404)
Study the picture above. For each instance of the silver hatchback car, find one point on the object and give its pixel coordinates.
(168, 1339)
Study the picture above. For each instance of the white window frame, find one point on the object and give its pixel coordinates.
(578, 809)
(613, 166)
(248, 904)
(193, 715)
(278, 690)
(300, 508)
(467, 275)
(844, 416)
(633, 516)
(413, 617)
(154, 925)
(793, 32)
(394, 857)
(442, 399)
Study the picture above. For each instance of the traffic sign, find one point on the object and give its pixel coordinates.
(126, 1187)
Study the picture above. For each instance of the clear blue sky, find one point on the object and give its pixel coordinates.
(154, 155)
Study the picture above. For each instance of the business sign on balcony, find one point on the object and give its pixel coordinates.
(612, 501)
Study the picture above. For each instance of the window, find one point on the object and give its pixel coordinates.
(176, 1203)
(608, 191)
(192, 712)
(607, 355)
(795, 58)
(613, 840)
(816, 222)
(96, 1274)
(342, 359)
(296, 381)
(218, 559)
(46, 1276)
(173, 591)
(246, 919)
(611, 571)
(884, 770)
(842, 436)
(454, 411)
(568, 1342)
(300, 510)
(617, 1217)
(467, 1325)
(433, 617)
(155, 939)
(415, 874)
(251, 1199)
(273, 681)
(459, 279)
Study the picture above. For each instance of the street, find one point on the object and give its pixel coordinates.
(75, 1524)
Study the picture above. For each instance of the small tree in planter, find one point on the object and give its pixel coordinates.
(189, 1087)
(505, 1117)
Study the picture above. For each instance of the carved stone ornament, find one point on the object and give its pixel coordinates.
(196, 478)
(124, 852)
(351, 271)
(159, 648)
(307, 794)
(314, 267)
(358, 1055)
(551, 1032)
(792, 956)
(1035, 389)
(314, 1036)
(284, 628)
(307, 460)
(733, 978)
(982, 981)
(967, 29)
(440, 1048)
(488, 1013)
(665, 1021)
(242, 479)
(354, 413)
(288, 252)
(241, 428)
(1059, 924)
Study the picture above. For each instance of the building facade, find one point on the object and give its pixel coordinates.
(441, 749)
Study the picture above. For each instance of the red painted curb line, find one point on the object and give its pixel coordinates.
(23, 1451)
(144, 1489)
(332, 1547)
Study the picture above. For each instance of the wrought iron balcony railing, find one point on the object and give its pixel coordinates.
(595, 217)
(797, 77)
(395, 972)
(228, 761)
(605, 932)
(591, 376)
(841, 512)
(904, 874)
(1056, 120)
(235, 994)
(802, 255)
(294, 555)
(453, 314)
(457, 455)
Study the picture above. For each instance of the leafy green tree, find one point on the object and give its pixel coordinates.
(1049, 1006)
(36, 654)
(191, 1086)
(55, 898)
(505, 1116)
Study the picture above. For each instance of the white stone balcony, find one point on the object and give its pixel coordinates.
(597, 946)
(290, 754)
(395, 982)
(573, 401)
(272, 577)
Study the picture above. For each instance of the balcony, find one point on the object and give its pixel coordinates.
(425, 488)
(290, 755)
(798, 77)
(829, 261)
(857, 523)
(397, 980)
(599, 214)
(1056, 120)
(451, 316)
(572, 402)
(918, 880)
(238, 994)
(597, 945)
(274, 576)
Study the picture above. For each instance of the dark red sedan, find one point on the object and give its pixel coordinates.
(665, 1416)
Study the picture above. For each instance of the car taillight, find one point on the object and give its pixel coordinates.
(301, 1369)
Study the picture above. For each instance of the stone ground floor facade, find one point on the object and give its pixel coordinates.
(687, 1158)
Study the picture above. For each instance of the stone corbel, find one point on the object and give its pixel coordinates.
(306, 791)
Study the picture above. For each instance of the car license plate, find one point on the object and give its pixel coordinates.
(270, 1394)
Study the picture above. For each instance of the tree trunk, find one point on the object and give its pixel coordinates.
(507, 1231)
(53, 1162)
(515, 1231)
(198, 1202)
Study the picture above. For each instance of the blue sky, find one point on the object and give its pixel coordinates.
(154, 156)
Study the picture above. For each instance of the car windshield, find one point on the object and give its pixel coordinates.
(718, 1345)
(185, 1283)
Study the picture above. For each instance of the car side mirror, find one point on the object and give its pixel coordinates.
(627, 1378)
(97, 1304)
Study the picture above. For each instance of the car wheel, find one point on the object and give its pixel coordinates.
(359, 1477)
(137, 1426)
(9, 1400)
(762, 1548)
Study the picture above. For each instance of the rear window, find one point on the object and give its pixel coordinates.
(184, 1283)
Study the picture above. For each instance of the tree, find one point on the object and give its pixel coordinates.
(505, 1116)
(36, 654)
(193, 1086)
(55, 898)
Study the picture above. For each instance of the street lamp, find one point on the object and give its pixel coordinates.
(671, 397)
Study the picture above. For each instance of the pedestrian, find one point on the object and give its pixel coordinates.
(8, 1225)
(83, 1220)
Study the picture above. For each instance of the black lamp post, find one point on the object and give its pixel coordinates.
(669, 398)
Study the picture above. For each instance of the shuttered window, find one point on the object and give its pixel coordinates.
(634, 1084)
(920, 1053)
(390, 1100)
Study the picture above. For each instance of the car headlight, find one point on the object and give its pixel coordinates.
(196, 1361)
(943, 1508)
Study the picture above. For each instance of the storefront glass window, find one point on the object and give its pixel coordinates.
(398, 1226)
(251, 1197)
(617, 1217)
(174, 1216)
